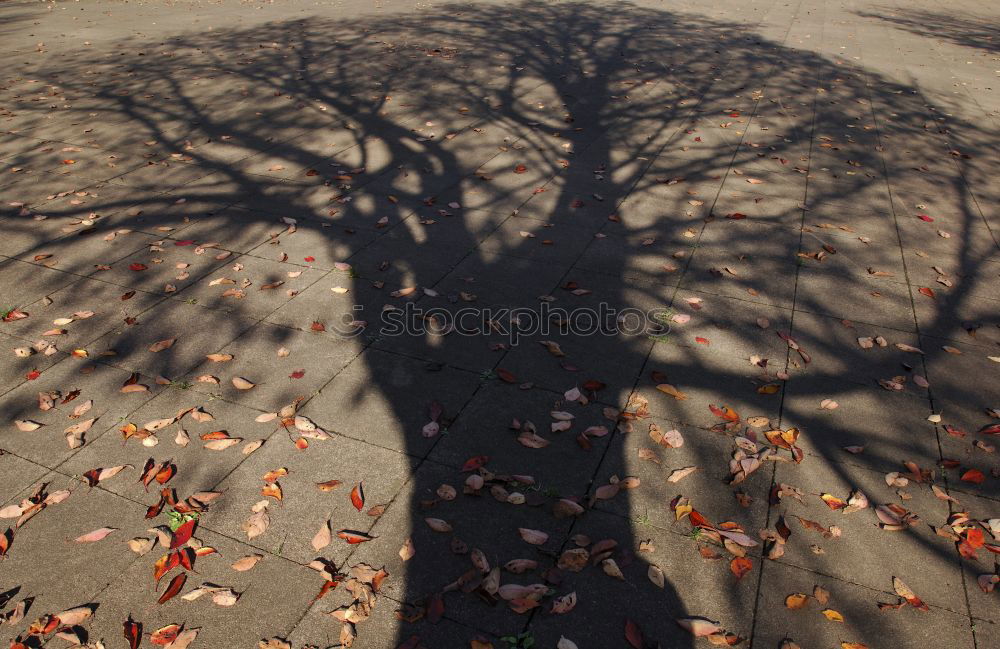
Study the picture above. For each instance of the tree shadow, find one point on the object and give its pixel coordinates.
(960, 30)
(500, 159)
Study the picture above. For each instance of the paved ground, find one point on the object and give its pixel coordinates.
(218, 216)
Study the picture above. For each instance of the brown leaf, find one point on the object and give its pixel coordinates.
(666, 388)
(679, 474)
(534, 537)
(96, 535)
(159, 346)
(656, 576)
(407, 551)
(322, 537)
(247, 562)
(438, 525)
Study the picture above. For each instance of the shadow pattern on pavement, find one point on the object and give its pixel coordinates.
(766, 199)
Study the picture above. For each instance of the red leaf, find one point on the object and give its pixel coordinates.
(633, 634)
(990, 429)
(133, 633)
(32, 375)
(926, 291)
(173, 587)
(696, 519)
(187, 557)
(353, 537)
(183, 534)
(310, 259)
(327, 587)
(506, 376)
(186, 242)
(736, 216)
(520, 169)
(955, 432)
(474, 463)
(137, 267)
(924, 217)
(435, 608)
(297, 374)
(164, 474)
(358, 496)
(318, 326)
(703, 341)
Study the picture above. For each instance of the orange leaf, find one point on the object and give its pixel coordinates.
(183, 534)
(165, 634)
(740, 566)
(975, 476)
(833, 502)
(165, 564)
(725, 412)
(795, 601)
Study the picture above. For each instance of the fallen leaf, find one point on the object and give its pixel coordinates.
(832, 615)
(96, 535)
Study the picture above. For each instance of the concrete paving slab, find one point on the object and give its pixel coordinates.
(394, 415)
(97, 383)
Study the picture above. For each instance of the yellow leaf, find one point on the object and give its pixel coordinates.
(833, 615)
